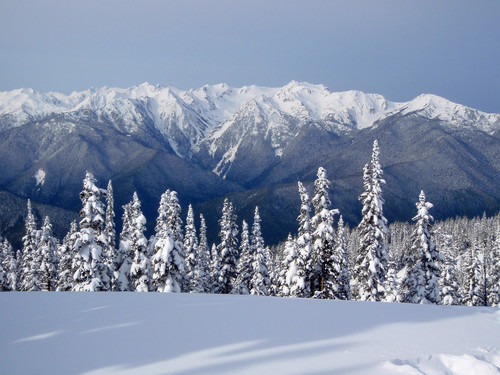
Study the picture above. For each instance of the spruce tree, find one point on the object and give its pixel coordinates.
(473, 295)
(494, 278)
(215, 266)
(109, 253)
(31, 260)
(344, 289)
(228, 248)
(450, 288)
(371, 265)
(244, 268)
(327, 263)
(260, 282)
(47, 247)
(302, 288)
(140, 270)
(3, 272)
(89, 269)
(174, 223)
(168, 263)
(201, 282)
(66, 255)
(191, 251)
(288, 273)
(10, 267)
(122, 261)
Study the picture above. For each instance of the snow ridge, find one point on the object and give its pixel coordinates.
(187, 117)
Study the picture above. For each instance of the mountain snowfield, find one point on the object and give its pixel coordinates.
(157, 333)
(188, 118)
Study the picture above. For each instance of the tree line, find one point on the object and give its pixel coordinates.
(454, 262)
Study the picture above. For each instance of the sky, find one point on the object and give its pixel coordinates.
(399, 49)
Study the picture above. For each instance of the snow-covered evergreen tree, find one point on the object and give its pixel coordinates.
(260, 282)
(109, 253)
(431, 254)
(47, 247)
(473, 293)
(201, 282)
(176, 227)
(66, 254)
(244, 268)
(140, 270)
(288, 273)
(122, 261)
(327, 263)
(89, 270)
(9, 266)
(302, 288)
(31, 259)
(494, 272)
(344, 291)
(168, 258)
(371, 265)
(228, 248)
(191, 251)
(215, 265)
(449, 286)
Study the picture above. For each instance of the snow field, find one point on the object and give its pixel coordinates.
(158, 333)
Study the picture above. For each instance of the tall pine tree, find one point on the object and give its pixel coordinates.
(227, 249)
(371, 265)
(140, 270)
(89, 269)
(260, 282)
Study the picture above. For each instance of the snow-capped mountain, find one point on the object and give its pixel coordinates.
(193, 120)
(217, 139)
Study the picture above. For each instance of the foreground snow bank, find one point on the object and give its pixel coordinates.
(155, 333)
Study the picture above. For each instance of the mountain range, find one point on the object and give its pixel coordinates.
(251, 143)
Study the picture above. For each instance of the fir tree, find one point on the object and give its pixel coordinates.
(66, 255)
(140, 270)
(371, 265)
(494, 277)
(191, 251)
(288, 273)
(302, 288)
(244, 269)
(201, 282)
(174, 223)
(10, 267)
(31, 260)
(122, 261)
(109, 253)
(344, 291)
(48, 251)
(89, 269)
(228, 248)
(450, 288)
(260, 282)
(168, 262)
(473, 295)
(215, 265)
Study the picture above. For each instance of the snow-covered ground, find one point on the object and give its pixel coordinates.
(156, 333)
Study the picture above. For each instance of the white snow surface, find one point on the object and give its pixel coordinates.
(215, 104)
(40, 177)
(158, 333)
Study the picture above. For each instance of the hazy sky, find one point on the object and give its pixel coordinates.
(398, 48)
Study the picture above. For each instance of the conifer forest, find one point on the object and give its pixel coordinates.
(451, 262)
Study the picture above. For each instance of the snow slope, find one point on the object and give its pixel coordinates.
(154, 333)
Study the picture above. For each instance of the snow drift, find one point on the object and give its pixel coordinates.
(156, 333)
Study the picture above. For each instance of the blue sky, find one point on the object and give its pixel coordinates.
(399, 49)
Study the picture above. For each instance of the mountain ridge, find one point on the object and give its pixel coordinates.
(218, 140)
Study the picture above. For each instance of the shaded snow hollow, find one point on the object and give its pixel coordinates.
(156, 333)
